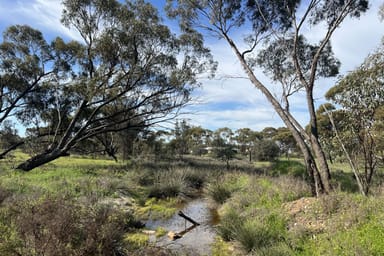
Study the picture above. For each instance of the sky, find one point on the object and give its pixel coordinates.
(228, 100)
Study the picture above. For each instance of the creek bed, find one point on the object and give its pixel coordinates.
(197, 241)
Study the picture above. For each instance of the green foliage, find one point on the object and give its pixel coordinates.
(361, 94)
(362, 240)
(252, 234)
(195, 178)
(157, 208)
(160, 231)
(266, 150)
(72, 176)
(69, 95)
(229, 222)
(225, 153)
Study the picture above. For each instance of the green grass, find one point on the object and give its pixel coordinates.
(251, 206)
(355, 227)
(70, 175)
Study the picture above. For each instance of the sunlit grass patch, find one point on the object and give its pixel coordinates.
(220, 248)
(262, 164)
(74, 181)
(160, 231)
(136, 240)
(158, 208)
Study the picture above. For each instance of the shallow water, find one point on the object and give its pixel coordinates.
(196, 241)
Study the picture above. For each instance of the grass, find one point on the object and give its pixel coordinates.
(158, 208)
(253, 215)
(136, 240)
(255, 219)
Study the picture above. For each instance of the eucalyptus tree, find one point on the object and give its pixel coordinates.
(361, 96)
(288, 58)
(223, 136)
(324, 113)
(128, 71)
(26, 62)
(246, 139)
(285, 141)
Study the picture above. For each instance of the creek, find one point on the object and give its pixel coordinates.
(196, 241)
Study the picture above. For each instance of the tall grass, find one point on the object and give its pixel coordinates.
(253, 216)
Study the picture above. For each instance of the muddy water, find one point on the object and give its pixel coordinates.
(199, 239)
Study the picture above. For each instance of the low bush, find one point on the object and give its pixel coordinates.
(59, 226)
(287, 167)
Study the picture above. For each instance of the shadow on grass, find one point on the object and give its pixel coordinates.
(200, 163)
(287, 167)
(345, 181)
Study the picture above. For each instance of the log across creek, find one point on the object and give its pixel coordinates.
(195, 239)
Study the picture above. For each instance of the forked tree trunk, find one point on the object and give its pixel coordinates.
(318, 172)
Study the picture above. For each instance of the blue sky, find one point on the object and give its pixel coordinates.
(227, 100)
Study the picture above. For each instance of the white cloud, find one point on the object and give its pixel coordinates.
(352, 42)
(44, 15)
(246, 106)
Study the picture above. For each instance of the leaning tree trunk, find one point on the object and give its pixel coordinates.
(41, 159)
(319, 179)
(11, 148)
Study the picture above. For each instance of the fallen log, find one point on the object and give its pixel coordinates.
(173, 236)
(181, 214)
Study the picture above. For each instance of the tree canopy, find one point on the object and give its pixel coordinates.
(128, 72)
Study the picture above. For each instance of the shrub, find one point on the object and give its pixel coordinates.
(266, 150)
(137, 240)
(57, 226)
(252, 233)
(290, 167)
(220, 248)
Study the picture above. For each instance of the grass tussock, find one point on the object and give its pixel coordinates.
(253, 216)
(223, 185)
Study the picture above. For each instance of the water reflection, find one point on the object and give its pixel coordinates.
(198, 238)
